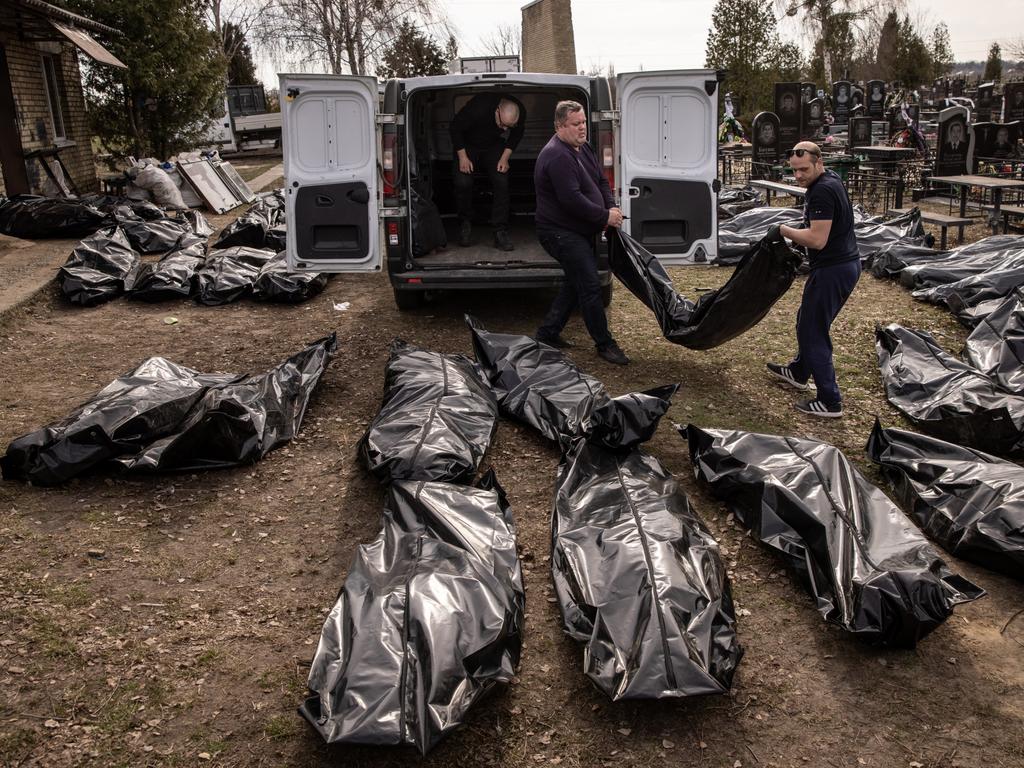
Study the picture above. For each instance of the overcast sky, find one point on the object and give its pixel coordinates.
(671, 34)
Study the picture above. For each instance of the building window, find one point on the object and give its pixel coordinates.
(51, 73)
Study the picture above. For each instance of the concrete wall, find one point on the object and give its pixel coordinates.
(548, 41)
(24, 61)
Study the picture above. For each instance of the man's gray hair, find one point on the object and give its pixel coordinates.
(565, 108)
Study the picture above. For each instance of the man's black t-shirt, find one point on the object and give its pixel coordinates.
(826, 199)
(474, 127)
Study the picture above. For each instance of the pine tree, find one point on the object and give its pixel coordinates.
(241, 68)
(412, 53)
(888, 42)
(994, 64)
(743, 40)
(941, 51)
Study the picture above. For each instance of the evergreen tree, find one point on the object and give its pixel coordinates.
(888, 42)
(173, 86)
(241, 68)
(913, 65)
(744, 41)
(994, 64)
(412, 53)
(941, 51)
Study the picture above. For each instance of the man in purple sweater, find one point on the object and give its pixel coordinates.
(574, 204)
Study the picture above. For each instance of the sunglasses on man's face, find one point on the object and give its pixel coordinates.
(801, 153)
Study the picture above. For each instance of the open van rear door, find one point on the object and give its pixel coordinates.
(329, 135)
(668, 162)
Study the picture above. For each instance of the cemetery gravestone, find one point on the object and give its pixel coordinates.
(787, 107)
(995, 141)
(814, 111)
(876, 99)
(954, 151)
(1013, 102)
(984, 103)
(860, 132)
(841, 101)
(766, 149)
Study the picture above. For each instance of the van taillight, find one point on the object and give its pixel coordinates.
(392, 233)
(387, 161)
(606, 144)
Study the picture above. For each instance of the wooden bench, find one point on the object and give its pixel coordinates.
(941, 220)
(777, 187)
(1006, 211)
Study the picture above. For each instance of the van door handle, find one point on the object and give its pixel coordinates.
(324, 201)
(633, 191)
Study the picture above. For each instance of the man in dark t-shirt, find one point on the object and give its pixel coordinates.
(831, 245)
(485, 133)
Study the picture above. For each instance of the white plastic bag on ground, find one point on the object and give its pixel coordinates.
(165, 191)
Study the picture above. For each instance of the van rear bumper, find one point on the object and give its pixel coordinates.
(479, 277)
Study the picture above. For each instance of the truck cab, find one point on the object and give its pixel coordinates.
(362, 170)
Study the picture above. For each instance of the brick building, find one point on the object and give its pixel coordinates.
(42, 107)
(548, 41)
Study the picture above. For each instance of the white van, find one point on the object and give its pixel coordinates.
(357, 166)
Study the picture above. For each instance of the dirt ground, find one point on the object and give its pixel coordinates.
(170, 620)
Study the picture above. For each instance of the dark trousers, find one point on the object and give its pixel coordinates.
(485, 160)
(581, 287)
(825, 293)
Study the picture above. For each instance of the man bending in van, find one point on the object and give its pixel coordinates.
(574, 204)
(485, 133)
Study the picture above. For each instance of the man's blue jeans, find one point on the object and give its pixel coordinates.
(581, 287)
(825, 293)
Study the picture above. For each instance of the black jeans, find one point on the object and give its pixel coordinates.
(581, 287)
(485, 160)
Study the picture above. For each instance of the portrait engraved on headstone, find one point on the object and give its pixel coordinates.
(1013, 102)
(841, 102)
(814, 116)
(954, 151)
(860, 132)
(766, 144)
(787, 108)
(983, 106)
(876, 99)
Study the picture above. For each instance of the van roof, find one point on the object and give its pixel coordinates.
(496, 79)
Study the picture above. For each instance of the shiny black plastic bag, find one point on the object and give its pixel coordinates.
(892, 259)
(277, 283)
(100, 268)
(762, 277)
(996, 346)
(36, 218)
(540, 386)
(745, 230)
(639, 579)
(196, 222)
(736, 200)
(428, 232)
(165, 416)
(253, 228)
(944, 396)
(984, 288)
(173, 277)
(428, 621)
(158, 235)
(242, 421)
(124, 207)
(875, 233)
(436, 421)
(229, 275)
(868, 568)
(997, 251)
(968, 501)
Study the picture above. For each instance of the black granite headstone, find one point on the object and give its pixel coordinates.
(841, 101)
(860, 132)
(954, 143)
(956, 88)
(767, 150)
(814, 117)
(787, 107)
(876, 99)
(983, 106)
(1013, 102)
(995, 141)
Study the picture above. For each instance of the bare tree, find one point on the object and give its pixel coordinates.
(506, 40)
(823, 18)
(343, 36)
(245, 15)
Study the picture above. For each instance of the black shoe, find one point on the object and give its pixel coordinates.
(502, 241)
(466, 233)
(612, 353)
(558, 342)
(784, 374)
(819, 409)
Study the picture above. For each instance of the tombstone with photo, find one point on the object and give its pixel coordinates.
(841, 101)
(767, 148)
(814, 118)
(876, 99)
(995, 141)
(1013, 102)
(953, 155)
(860, 132)
(787, 107)
(807, 92)
(956, 87)
(986, 98)
(857, 110)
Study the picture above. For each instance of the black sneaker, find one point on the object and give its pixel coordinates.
(558, 342)
(466, 233)
(819, 409)
(782, 373)
(502, 241)
(612, 353)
